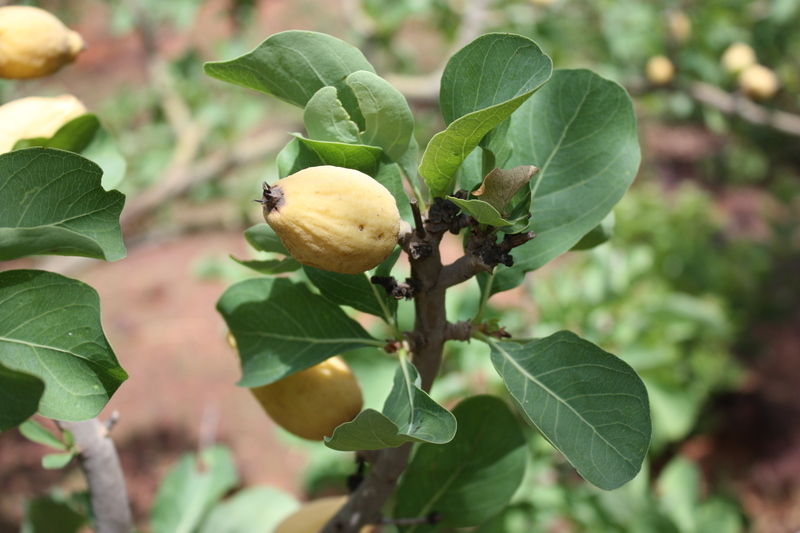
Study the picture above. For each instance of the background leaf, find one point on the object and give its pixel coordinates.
(191, 489)
(482, 85)
(281, 328)
(19, 397)
(294, 65)
(49, 514)
(35, 432)
(50, 328)
(588, 403)
(57, 461)
(54, 203)
(409, 415)
(252, 510)
(580, 130)
(471, 478)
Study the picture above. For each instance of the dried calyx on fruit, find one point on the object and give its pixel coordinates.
(332, 218)
(312, 402)
(34, 43)
(35, 116)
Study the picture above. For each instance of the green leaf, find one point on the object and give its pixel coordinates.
(500, 186)
(357, 156)
(19, 396)
(271, 266)
(389, 123)
(588, 403)
(481, 211)
(191, 489)
(409, 415)
(281, 328)
(482, 85)
(389, 176)
(580, 130)
(354, 291)
(294, 65)
(598, 235)
(264, 239)
(296, 156)
(326, 119)
(252, 510)
(50, 328)
(471, 478)
(53, 203)
(86, 136)
(50, 515)
(35, 432)
(678, 486)
(57, 461)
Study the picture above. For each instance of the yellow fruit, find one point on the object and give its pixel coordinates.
(34, 43)
(312, 516)
(680, 25)
(333, 218)
(659, 70)
(35, 116)
(758, 82)
(738, 57)
(312, 402)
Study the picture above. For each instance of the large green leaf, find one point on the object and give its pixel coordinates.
(281, 328)
(294, 65)
(86, 136)
(252, 510)
(264, 239)
(326, 119)
(52, 514)
(191, 489)
(588, 403)
(354, 291)
(357, 156)
(580, 130)
(409, 415)
(50, 328)
(19, 396)
(389, 123)
(471, 478)
(295, 156)
(482, 85)
(54, 203)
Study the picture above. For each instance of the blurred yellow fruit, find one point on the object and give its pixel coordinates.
(34, 43)
(659, 70)
(333, 218)
(758, 82)
(36, 116)
(312, 402)
(542, 3)
(738, 57)
(679, 25)
(312, 516)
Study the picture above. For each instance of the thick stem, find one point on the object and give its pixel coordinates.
(100, 463)
(427, 344)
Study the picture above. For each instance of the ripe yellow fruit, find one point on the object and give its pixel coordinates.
(679, 25)
(35, 116)
(34, 43)
(312, 516)
(738, 57)
(659, 70)
(333, 218)
(758, 82)
(312, 402)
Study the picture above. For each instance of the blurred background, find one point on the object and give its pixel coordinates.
(698, 287)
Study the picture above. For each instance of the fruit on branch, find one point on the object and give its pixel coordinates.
(312, 402)
(312, 516)
(659, 70)
(758, 82)
(738, 57)
(34, 43)
(36, 116)
(332, 218)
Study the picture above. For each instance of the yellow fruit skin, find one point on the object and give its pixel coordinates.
(737, 57)
(35, 116)
(312, 516)
(758, 82)
(333, 218)
(34, 43)
(659, 70)
(312, 402)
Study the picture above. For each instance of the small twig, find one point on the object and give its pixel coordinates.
(111, 421)
(431, 519)
(419, 225)
(100, 464)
